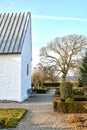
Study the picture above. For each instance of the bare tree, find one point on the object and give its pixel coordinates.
(63, 53)
(50, 74)
(38, 75)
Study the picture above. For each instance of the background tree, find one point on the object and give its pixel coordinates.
(83, 70)
(43, 74)
(38, 75)
(63, 53)
(50, 74)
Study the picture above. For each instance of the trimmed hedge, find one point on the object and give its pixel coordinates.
(69, 107)
(79, 98)
(41, 90)
(69, 100)
(51, 84)
(78, 92)
(9, 117)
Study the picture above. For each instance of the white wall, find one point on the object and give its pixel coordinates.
(14, 81)
(10, 74)
(26, 60)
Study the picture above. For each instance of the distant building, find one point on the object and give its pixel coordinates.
(15, 56)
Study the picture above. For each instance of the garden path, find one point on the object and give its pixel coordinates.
(40, 115)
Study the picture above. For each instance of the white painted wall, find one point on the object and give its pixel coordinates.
(10, 77)
(14, 81)
(26, 60)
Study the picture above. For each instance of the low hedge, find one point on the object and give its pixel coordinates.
(79, 98)
(78, 92)
(41, 90)
(51, 84)
(9, 117)
(69, 107)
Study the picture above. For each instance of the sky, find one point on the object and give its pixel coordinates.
(50, 19)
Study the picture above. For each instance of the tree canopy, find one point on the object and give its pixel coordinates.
(63, 53)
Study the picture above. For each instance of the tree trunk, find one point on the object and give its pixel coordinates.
(63, 77)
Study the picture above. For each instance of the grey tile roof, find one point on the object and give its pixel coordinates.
(13, 28)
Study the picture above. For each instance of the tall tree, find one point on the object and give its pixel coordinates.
(63, 53)
(83, 70)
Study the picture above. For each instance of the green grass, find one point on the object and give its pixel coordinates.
(9, 118)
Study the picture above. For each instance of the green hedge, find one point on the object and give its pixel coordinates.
(51, 84)
(79, 98)
(69, 107)
(41, 90)
(78, 92)
(9, 117)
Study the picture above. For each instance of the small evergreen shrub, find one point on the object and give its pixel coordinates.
(66, 90)
(78, 92)
(69, 100)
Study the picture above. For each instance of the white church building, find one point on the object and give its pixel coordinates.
(15, 56)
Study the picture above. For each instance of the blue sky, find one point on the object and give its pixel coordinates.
(50, 18)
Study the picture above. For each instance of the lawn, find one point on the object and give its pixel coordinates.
(9, 118)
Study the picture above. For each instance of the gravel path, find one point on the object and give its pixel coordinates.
(40, 115)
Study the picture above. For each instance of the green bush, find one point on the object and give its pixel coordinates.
(9, 117)
(78, 92)
(51, 84)
(4, 123)
(69, 100)
(69, 107)
(76, 107)
(41, 90)
(66, 90)
(79, 98)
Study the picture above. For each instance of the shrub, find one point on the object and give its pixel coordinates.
(78, 92)
(4, 123)
(69, 100)
(79, 98)
(9, 117)
(41, 90)
(63, 107)
(69, 107)
(51, 84)
(76, 107)
(66, 90)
